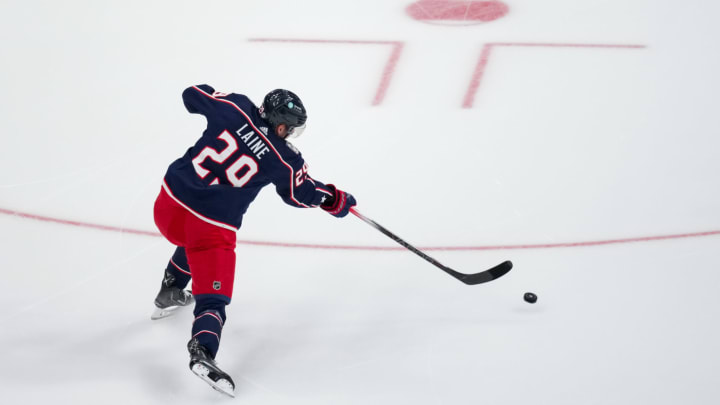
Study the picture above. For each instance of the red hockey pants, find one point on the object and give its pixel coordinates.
(210, 249)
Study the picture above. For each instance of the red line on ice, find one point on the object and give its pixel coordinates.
(101, 227)
(487, 50)
(388, 71)
(76, 223)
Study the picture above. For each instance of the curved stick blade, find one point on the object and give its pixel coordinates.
(487, 275)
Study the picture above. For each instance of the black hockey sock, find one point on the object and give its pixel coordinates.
(177, 273)
(209, 320)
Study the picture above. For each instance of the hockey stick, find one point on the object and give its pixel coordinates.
(469, 279)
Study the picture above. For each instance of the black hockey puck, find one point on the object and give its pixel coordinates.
(530, 297)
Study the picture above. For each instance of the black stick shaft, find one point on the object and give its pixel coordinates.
(469, 279)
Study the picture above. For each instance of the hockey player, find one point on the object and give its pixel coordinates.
(205, 194)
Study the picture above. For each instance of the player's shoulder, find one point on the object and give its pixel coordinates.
(292, 148)
(240, 100)
(240, 104)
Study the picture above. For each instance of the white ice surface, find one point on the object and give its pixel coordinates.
(561, 145)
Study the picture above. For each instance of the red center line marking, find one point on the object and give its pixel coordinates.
(487, 51)
(109, 228)
(388, 71)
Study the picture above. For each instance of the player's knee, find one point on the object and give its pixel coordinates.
(211, 302)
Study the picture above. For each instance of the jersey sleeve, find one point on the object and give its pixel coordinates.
(198, 99)
(296, 187)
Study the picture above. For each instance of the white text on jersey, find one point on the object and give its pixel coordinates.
(253, 141)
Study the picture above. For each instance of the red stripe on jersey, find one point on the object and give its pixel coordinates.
(206, 219)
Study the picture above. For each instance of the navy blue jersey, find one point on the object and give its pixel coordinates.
(238, 154)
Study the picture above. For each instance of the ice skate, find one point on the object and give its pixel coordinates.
(203, 365)
(169, 299)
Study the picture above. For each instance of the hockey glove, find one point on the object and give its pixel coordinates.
(340, 203)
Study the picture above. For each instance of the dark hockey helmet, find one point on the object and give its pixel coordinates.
(282, 106)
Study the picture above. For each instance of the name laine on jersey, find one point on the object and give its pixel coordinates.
(253, 141)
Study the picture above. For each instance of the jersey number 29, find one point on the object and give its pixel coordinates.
(220, 157)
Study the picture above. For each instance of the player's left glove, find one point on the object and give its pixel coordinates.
(340, 203)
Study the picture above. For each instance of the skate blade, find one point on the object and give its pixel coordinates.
(161, 313)
(222, 385)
